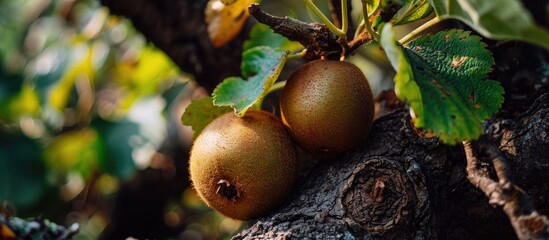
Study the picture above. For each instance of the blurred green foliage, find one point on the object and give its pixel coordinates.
(83, 103)
(69, 75)
(22, 174)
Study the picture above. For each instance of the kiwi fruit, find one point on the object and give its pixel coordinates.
(244, 166)
(328, 106)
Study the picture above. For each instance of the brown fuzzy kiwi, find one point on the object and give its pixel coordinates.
(328, 106)
(244, 167)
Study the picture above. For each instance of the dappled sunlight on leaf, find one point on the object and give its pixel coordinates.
(261, 67)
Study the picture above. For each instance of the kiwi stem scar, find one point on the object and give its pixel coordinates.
(228, 190)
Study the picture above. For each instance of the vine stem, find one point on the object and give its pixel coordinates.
(413, 34)
(325, 20)
(360, 27)
(275, 87)
(297, 55)
(367, 21)
(344, 17)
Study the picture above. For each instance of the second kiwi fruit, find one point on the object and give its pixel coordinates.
(328, 106)
(244, 166)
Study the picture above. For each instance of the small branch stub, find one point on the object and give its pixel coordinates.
(228, 190)
(377, 191)
(320, 42)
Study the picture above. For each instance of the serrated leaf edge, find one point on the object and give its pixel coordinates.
(413, 101)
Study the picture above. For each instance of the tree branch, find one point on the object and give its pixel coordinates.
(519, 207)
(317, 38)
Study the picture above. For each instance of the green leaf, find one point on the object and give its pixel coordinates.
(262, 35)
(405, 86)
(22, 174)
(449, 70)
(200, 113)
(118, 140)
(261, 66)
(412, 10)
(496, 19)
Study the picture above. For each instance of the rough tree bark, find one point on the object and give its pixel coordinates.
(398, 185)
(401, 186)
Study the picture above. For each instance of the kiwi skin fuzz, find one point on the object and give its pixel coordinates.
(328, 107)
(244, 167)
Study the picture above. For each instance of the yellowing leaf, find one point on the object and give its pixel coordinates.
(60, 93)
(228, 2)
(145, 75)
(371, 5)
(226, 21)
(26, 103)
(78, 151)
(153, 65)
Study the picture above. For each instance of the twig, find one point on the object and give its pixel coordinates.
(319, 41)
(525, 219)
(360, 39)
(414, 34)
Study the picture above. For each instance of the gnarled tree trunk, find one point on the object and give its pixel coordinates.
(400, 186)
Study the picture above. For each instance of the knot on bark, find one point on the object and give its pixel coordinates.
(383, 197)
